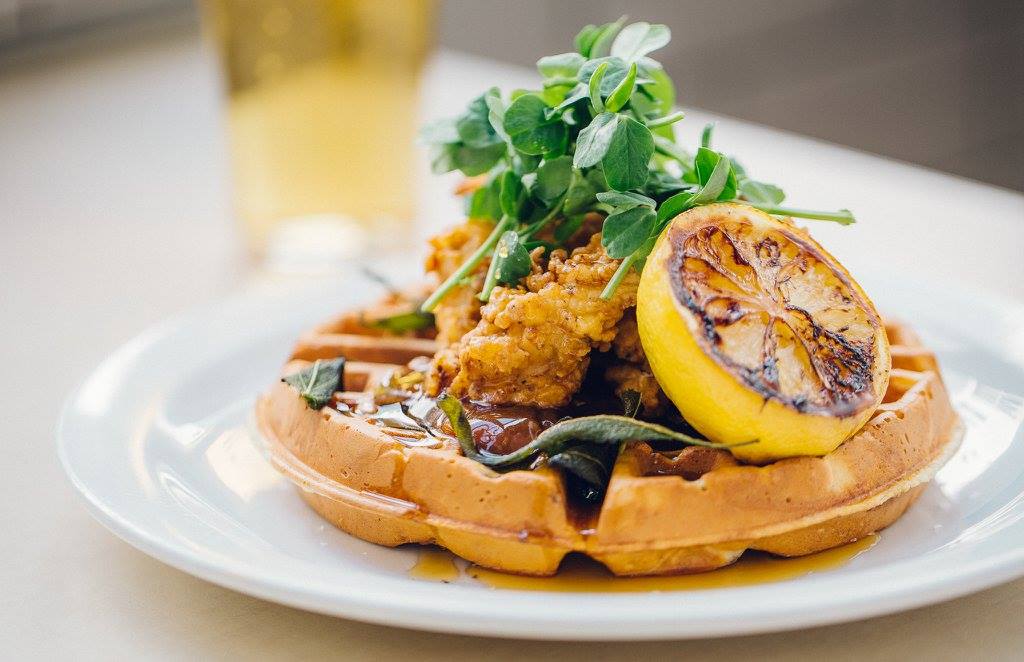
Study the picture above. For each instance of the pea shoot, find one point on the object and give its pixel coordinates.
(597, 136)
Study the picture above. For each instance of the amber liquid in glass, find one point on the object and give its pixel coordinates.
(322, 101)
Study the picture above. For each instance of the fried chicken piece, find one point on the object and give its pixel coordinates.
(532, 345)
(633, 373)
(627, 344)
(459, 311)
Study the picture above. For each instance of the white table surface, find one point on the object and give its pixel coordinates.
(114, 213)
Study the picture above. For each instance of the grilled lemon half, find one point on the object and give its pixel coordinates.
(755, 332)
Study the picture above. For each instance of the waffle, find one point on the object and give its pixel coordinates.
(691, 511)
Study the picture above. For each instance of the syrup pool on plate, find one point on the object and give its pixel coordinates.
(579, 574)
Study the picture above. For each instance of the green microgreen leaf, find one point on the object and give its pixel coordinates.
(709, 192)
(524, 164)
(583, 190)
(626, 231)
(593, 142)
(553, 179)
(585, 39)
(317, 383)
(533, 244)
(704, 164)
(622, 92)
(615, 71)
(603, 42)
(510, 262)
(761, 193)
(474, 126)
(496, 113)
(630, 149)
(529, 128)
(594, 88)
(577, 93)
(560, 148)
(639, 39)
(512, 258)
(564, 65)
(623, 200)
(439, 132)
(660, 183)
(642, 253)
(658, 94)
(471, 161)
(485, 203)
(561, 81)
(511, 194)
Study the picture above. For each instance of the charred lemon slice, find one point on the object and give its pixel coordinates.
(755, 332)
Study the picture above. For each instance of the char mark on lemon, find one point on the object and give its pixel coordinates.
(841, 365)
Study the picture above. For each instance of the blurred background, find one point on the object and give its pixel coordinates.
(154, 154)
(935, 82)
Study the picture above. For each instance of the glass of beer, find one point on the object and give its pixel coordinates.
(322, 99)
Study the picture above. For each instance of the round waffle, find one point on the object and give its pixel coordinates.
(691, 511)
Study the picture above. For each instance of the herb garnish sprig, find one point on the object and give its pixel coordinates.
(317, 383)
(596, 137)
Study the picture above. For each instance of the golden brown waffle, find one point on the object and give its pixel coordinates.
(695, 511)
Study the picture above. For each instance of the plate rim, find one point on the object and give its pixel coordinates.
(914, 589)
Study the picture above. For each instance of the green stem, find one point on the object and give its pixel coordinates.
(492, 271)
(843, 216)
(666, 120)
(617, 277)
(467, 267)
(490, 280)
(537, 226)
(674, 151)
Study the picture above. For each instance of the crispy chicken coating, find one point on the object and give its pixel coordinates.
(459, 312)
(633, 373)
(627, 339)
(532, 344)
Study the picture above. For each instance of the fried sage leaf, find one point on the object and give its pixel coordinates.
(317, 383)
(587, 469)
(599, 429)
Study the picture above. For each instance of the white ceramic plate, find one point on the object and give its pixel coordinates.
(156, 442)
